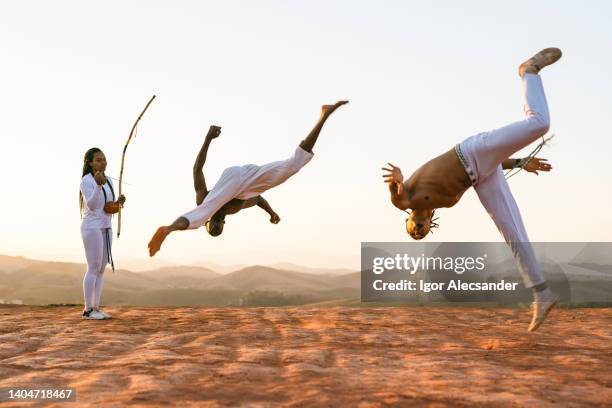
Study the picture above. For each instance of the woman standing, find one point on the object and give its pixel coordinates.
(97, 203)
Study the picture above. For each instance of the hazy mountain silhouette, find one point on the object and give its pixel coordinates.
(266, 278)
(288, 266)
(40, 282)
(182, 276)
(218, 267)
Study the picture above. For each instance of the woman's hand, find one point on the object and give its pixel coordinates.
(99, 177)
(112, 207)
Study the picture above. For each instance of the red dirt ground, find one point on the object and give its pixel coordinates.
(301, 356)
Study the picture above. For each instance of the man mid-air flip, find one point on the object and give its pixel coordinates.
(478, 161)
(239, 187)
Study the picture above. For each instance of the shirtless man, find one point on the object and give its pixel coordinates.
(239, 187)
(478, 161)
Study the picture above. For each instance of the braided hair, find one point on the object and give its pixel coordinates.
(89, 156)
(432, 221)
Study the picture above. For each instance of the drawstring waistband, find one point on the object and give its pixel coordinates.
(466, 165)
(109, 253)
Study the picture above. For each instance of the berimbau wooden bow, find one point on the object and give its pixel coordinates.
(123, 160)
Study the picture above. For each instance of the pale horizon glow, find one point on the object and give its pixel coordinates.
(420, 77)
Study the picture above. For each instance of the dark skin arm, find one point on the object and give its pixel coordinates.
(112, 207)
(395, 179)
(533, 166)
(509, 163)
(235, 205)
(263, 204)
(398, 197)
(199, 182)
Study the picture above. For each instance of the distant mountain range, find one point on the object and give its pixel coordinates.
(145, 265)
(30, 281)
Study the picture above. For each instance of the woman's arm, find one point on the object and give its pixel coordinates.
(91, 193)
(112, 207)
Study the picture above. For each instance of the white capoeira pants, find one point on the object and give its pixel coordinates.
(96, 252)
(482, 155)
(244, 182)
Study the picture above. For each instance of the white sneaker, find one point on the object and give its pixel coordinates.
(106, 315)
(540, 311)
(94, 315)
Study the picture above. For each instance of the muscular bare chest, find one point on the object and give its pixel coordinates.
(438, 183)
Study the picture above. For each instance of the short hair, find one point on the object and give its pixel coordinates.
(215, 226)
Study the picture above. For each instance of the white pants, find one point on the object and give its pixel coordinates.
(482, 157)
(96, 252)
(244, 182)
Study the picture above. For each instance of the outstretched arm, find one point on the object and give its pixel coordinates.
(511, 163)
(534, 165)
(395, 179)
(263, 204)
(199, 183)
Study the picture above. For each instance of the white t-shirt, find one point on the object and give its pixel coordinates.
(94, 216)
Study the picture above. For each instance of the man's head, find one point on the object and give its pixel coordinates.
(420, 222)
(215, 225)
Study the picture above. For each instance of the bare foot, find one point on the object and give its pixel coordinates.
(327, 110)
(542, 59)
(158, 238)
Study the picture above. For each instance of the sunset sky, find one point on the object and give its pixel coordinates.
(420, 77)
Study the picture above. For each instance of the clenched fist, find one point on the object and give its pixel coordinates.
(274, 218)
